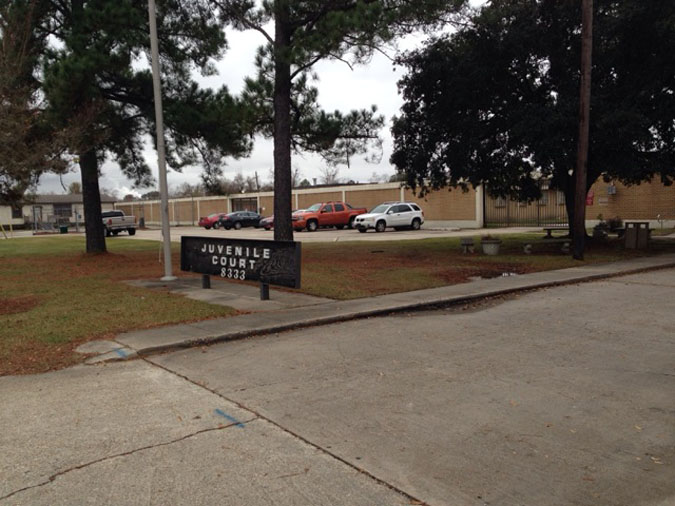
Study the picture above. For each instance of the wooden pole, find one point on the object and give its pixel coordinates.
(579, 228)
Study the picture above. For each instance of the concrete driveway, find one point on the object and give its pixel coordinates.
(563, 396)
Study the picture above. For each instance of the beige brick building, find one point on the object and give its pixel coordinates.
(451, 208)
(653, 202)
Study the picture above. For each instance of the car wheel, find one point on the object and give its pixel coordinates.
(312, 226)
(380, 226)
(416, 224)
(216, 225)
(363, 230)
(207, 227)
(351, 222)
(132, 231)
(237, 225)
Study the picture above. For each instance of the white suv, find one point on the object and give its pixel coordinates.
(397, 215)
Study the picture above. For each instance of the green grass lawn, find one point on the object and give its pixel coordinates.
(347, 270)
(54, 297)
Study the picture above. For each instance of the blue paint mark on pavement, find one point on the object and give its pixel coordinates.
(230, 418)
(121, 353)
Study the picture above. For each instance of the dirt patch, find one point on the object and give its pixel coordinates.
(465, 273)
(17, 304)
(35, 357)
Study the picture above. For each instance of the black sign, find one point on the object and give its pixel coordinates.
(272, 262)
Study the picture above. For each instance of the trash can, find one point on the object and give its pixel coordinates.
(637, 234)
(63, 229)
(141, 222)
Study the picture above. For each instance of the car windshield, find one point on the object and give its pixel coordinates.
(382, 208)
(314, 207)
(214, 215)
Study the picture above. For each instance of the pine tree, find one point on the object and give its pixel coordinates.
(95, 78)
(306, 32)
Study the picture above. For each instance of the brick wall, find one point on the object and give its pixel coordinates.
(371, 198)
(268, 203)
(444, 205)
(638, 202)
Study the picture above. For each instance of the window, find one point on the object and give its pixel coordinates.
(402, 208)
(382, 208)
(339, 207)
(415, 207)
(16, 212)
(327, 209)
(63, 210)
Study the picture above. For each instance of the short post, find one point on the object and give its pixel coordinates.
(206, 281)
(264, 291)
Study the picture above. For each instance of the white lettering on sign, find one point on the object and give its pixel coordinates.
(234, 260)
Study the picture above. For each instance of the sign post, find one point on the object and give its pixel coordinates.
(270, 262)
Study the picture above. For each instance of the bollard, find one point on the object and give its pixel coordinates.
(264, 291)
(206, 281)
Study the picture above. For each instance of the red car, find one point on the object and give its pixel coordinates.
(212, 220)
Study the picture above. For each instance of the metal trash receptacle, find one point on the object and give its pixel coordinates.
(63, 229)
(636, 234)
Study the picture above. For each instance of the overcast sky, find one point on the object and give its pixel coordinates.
(340, 88)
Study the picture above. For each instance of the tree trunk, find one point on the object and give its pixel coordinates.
(569, 202)
(91, 198)
(283, 227)
(579, 235)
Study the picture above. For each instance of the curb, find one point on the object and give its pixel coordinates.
(349, 315)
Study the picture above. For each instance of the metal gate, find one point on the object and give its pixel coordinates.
(549, 210)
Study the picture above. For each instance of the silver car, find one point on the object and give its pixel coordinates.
(396, 215)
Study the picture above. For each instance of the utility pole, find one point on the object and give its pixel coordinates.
(161, 155)
(579, 226)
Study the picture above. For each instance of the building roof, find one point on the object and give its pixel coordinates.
(72, 198)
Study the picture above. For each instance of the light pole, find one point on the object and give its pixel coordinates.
(161, 156)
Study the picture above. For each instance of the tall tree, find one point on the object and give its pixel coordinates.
(497, 103)
(306, 32)
(94, 77)
(28, 147)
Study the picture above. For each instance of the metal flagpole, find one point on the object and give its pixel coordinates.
(161, 155)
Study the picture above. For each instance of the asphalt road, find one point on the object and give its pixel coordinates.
(564, 396)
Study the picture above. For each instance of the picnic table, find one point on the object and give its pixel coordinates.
(549, 230)
(550, 238)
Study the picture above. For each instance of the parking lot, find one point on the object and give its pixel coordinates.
(321, 235)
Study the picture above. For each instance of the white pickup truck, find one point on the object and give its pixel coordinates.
(115, 222)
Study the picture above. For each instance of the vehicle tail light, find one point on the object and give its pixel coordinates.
(109, 222)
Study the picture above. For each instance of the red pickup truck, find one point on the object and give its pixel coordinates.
(327, 214)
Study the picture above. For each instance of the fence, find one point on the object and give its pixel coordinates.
(549, 210)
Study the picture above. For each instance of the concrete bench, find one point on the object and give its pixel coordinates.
(565, 243)
(466, 243)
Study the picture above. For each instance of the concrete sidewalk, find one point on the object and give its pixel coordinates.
(162, 339)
